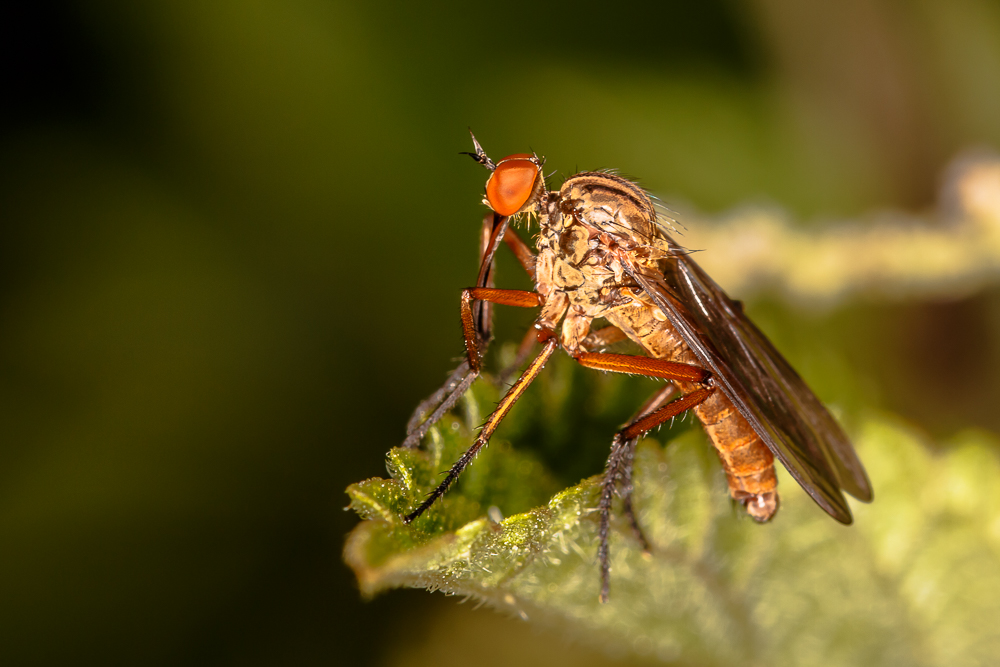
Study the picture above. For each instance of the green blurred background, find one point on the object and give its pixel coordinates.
(234, 235)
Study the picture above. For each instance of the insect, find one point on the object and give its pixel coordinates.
(603, 253)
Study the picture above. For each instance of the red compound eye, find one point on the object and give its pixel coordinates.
(512, 183)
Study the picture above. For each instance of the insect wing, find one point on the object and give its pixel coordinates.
(761, 384)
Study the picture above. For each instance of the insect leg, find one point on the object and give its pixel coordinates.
(495, 228)
(505, 297)
(463, 376)
(444, 398)
(621, 458)
(626, 494)
(620, 461)
(653, 404)
(456, 378)
(527, 259)
(492, 422)
(639, 365)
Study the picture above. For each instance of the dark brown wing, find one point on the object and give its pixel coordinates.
(761, 384)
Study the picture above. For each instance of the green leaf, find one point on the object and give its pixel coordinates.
(915, 581)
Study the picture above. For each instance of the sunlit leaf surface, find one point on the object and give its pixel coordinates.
(915, 581)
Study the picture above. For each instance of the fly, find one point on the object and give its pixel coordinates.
(601, 253)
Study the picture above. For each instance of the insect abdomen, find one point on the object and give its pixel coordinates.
(747, 461)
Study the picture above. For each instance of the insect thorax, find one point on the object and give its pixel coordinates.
(590, 228)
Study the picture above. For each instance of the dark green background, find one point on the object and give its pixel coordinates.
(234, 235)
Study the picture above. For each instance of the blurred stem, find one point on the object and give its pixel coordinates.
(952, 251)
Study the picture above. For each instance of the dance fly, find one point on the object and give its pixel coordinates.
(602, 252)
